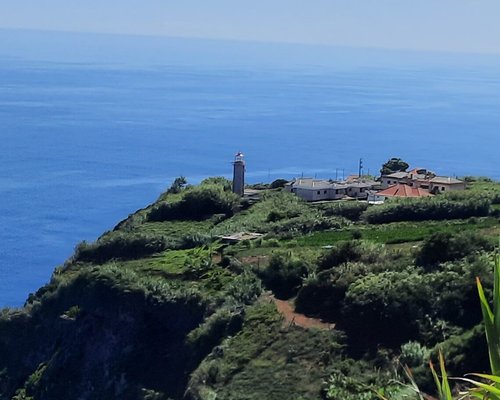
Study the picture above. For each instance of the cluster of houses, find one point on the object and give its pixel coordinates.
(418, 182)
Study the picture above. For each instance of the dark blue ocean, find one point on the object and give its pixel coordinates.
(86, 142)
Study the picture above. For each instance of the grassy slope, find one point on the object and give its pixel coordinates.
(269, 360)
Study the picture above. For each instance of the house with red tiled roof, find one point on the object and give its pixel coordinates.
(405, 191)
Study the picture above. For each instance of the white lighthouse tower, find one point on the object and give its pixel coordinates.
(239, 174)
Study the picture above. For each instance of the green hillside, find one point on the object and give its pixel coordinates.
(328, 303)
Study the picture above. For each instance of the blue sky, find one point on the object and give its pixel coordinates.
(449, 25)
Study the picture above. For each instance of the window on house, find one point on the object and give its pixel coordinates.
(319, 192)
(443, 188)
(388, 182)
(324, 191)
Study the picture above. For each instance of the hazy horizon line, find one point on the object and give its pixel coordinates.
(256, 41)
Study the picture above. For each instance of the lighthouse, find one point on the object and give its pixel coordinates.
(239, 174)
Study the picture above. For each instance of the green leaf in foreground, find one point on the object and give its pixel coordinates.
(492, 318)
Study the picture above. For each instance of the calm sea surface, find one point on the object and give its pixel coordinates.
(84, 145)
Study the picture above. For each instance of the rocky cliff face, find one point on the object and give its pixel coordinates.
(90, 339)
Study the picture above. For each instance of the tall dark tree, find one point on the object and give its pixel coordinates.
(178, 184)
(394, 165)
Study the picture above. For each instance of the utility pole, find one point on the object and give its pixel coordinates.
(360, 167)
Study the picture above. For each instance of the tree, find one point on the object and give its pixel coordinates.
(278, 183)
(394, 165)
(178, 184)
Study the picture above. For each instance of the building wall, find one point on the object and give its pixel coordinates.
(387, 182)
(337, 194)
(375, 198)
(421, 184)
(359, 193)
(315, 194)
(312, 194)
(446, 187)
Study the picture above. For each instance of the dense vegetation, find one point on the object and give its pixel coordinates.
(159, 308)
(449, 206)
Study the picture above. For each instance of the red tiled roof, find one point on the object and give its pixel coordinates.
(401, 190)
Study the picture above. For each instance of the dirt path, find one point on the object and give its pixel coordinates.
(291, 317)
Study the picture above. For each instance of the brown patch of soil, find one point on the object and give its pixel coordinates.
(292, 317)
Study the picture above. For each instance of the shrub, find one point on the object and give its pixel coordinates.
(375, 304)
(122, 246)
(466, 352)
(197, 203)
(272, 242)
(443, 246)
(322, 295)
(225, 183)
(193, 240)
(455, 298)
(320, 298)
(220, 324)
(307, 224)
(344, 387)
(245, 288)
(284, 274)
(274, 216)
(356, 234)
(340, 254)
(351, 251)
(437, 208)
(413, 354)
(351, 210)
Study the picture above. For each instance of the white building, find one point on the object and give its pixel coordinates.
(310, 189)
(440, 184)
